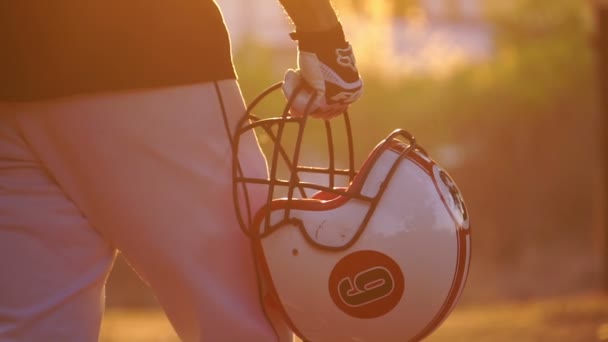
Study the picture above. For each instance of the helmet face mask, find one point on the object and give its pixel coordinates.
(383, 258)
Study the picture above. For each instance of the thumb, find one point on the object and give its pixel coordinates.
(293, 81)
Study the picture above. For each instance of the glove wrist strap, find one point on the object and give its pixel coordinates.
(315, 41)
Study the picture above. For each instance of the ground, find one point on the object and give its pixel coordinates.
(581, 318)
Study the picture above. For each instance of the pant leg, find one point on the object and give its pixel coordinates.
(53, 264)
(152, 171)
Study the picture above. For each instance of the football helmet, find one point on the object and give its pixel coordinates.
(383, 258)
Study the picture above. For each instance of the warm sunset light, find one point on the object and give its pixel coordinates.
(488, 88)
(304, 170)
(417, 39)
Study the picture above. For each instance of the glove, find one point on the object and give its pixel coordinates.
(326, 70)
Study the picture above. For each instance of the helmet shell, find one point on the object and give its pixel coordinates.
(392, 275)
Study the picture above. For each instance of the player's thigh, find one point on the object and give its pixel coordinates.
(53, 265)
(153, 170)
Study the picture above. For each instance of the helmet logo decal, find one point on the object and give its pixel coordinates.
(366, 284)
(346, 58)
(451, 197)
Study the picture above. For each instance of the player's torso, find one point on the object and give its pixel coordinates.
(56, 48)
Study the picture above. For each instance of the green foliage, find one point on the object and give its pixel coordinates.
(542, 55)
(527, 20)
(505, 114)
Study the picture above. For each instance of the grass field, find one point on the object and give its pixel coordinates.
(582, 318)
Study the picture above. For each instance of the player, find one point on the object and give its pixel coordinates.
(115, 118)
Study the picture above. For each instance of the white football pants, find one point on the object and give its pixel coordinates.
(146, 172)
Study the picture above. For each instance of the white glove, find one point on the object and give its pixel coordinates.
(326, 70)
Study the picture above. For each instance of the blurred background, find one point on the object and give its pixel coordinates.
(506, 96)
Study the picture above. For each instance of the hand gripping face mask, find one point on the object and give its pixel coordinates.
(384, 257)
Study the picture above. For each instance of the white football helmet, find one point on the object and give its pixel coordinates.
(384, 258)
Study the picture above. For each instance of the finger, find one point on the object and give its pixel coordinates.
(291, 81)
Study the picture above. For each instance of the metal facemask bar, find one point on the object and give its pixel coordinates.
(249, 122)
(384, 145)
(294, 185)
